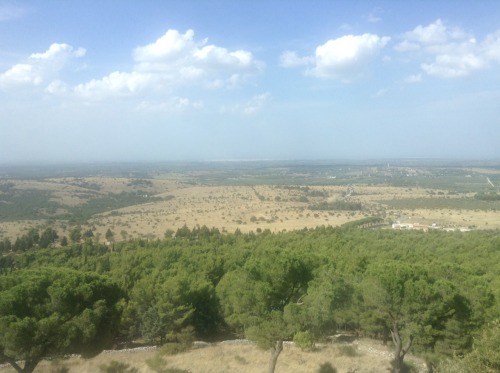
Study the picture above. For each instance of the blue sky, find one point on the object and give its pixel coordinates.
(217, 80)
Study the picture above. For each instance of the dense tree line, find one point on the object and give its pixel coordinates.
(435, 294)
(34, 239)
(30, 240)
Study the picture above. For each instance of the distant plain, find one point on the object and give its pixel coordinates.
(146, 201)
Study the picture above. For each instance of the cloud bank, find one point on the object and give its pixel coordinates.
(172, 61)
(162, 69)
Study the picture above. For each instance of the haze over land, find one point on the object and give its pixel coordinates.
(192, 80)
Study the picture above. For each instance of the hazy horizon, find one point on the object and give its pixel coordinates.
(155, 81)
(368, 162)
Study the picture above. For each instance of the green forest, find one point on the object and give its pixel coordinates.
(432, 294)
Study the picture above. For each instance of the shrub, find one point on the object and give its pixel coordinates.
(337, 205)
(61, 370)
(241, 360)
(117, 367)
(173, 348)
(327, 368)
(156, 363)
(304, 340)
(491, 196)
(348, 350)
(178, 342)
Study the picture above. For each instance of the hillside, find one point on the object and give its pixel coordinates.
(360, 356)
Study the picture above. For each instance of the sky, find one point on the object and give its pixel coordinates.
(89, 81)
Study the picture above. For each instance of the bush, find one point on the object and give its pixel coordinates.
(117, 367)
(408, 367)
(173, 348)
(241, 360)
(451, 365)
(327, 368)
(178, 342)
(61, 370)
(491, 196)
(339, 205)
(348, 350)
(486, 356)
(157, 364)
(304, 340)
(185, 337)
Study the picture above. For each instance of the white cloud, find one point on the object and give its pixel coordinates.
(22, 73)
(175, 60)
(57, 87)
(215, 57)
(9, 12)
(381, 92)
(435, 33)
(374, 16)
(174, 52)
(40, 68)
(344, 58)
(491, 47)
(345, 27)
(252, 106)
(115, 84)
(256, 103)
(169, 47)
(407, 46)
(416, 78)
(58, 52)
(172, 105)
(452, 66)
(291, 59)
(448, 51)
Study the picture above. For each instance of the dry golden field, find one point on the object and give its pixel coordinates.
(362, 356)
(179, 201)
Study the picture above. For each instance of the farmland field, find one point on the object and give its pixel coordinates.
(148, 200)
